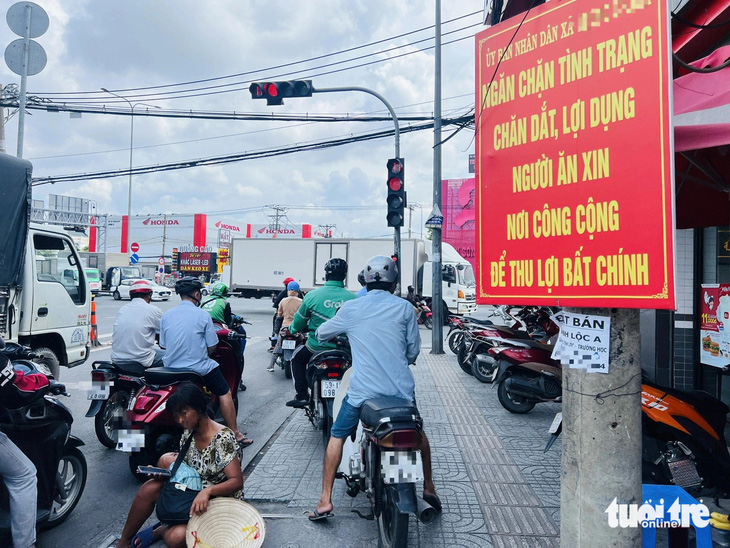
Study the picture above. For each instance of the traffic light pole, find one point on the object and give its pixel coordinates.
(396, 230)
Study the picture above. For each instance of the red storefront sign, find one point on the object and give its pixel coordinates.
(574, 157)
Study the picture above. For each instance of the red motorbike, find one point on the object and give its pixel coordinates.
(151, 431)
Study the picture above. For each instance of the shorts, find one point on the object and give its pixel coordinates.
(347, 419)
(216, 383)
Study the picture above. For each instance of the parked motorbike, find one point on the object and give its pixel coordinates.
(113, 385)
(383, 460)
(683, 440)
(527, 375)
(324, 374)
(40, 426)
(458, 325)
(151, 431)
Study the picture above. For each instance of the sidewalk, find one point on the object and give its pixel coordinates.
(496, 485)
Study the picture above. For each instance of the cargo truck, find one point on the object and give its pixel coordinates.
(258, 266)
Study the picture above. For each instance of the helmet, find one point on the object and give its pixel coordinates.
(361, 277)
(293, 286)
(188, 285)
(288, 280)
(140, 287)
(381, 269)
(220, 289)
(335, 269)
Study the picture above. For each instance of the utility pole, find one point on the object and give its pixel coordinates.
(411, 207)
(164, 230)
(437, 338)
(279, 212)
(2, 123)
(326, 229)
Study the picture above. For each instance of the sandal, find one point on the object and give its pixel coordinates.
(245, 442)
(146, 537)
(316, 516)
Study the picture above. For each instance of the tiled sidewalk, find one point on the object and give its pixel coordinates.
(496, 485)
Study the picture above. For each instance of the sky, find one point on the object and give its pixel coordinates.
(151, 52)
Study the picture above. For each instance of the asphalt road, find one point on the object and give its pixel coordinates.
(110, 487)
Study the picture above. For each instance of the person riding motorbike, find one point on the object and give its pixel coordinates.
(361, 281)
(287, 308)
(384, 340)
(220, 310)
(276, 326)
(317, 307)
(189, 336)
(135, 329)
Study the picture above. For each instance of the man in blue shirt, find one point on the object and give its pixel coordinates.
(189, 336)
(384, 339)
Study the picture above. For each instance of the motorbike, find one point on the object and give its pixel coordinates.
(149, 431)
(425, 316)
(113, 385)
(527, 374)
(683, 440)
(383, 460)
(283, 352)
(458, 325)
(40, 426)
(324, 375)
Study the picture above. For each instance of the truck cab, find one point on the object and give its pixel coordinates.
(50, 309)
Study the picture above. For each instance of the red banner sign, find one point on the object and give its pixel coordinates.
(574, 158)
(197, 262)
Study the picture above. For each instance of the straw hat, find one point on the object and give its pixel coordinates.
(228, 523)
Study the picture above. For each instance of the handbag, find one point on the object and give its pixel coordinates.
(176, 498)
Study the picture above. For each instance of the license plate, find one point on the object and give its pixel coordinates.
(556, 422)
(289, 344)
(329, 389)
(401, 466)
(97, 396)
(98, 391)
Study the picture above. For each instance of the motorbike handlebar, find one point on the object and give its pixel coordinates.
(232, 336)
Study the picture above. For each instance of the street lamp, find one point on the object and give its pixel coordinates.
(131, 148)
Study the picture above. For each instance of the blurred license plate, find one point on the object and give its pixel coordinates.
(329, 389)
(401, 466)
(289, 344)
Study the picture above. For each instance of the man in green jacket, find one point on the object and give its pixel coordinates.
(317, 307)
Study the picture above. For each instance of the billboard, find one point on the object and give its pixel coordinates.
(197, 263)
(715, 325)
(574, 157)
(457, 206)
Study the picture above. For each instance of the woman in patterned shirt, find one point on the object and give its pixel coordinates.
(213, 453)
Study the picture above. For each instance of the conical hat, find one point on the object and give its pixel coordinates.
(228, 523)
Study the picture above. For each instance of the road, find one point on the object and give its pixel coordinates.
(110, 487)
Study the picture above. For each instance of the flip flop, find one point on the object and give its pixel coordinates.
(433, 500)
(245, 442)
(320, 517)
(145, 537)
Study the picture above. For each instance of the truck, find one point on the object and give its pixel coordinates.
(45, 301)
(113, 266)
(257, 267)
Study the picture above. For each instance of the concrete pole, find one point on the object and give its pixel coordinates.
(2, 124)
(24, 81)
(437, 334)
(602, 440)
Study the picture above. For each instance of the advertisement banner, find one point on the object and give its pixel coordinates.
(574, 157)
(715, 325)
(197, 263)
(457, 206)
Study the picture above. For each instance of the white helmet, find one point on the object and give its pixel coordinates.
(381, 269)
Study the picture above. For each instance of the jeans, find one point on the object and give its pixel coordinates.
(19, 476)
(299, 363)
(159, 354)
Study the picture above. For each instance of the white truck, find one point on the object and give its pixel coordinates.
(258, 266)
(45, 301)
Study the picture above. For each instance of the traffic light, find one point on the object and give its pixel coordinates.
(276, 92)
(396, 192)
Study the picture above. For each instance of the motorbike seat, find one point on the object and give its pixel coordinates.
(511, 333)
(537, 344)
(480, 322)
(130, 368)
(167, 375)
(329, 355)
(394, 409)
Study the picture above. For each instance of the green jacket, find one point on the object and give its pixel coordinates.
(218, 308)
(317, 307)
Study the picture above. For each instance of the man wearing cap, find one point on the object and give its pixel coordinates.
(135, 329)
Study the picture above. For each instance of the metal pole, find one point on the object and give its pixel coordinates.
(396, 230)
(2, 124)
(131, 150)
(437, 339)
(24, 80)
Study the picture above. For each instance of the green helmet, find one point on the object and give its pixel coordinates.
(220, 289)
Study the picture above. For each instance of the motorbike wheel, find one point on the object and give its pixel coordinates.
(70, 483)
(455, 340)
(287, 369)
(49, 359)
(109, 418)
(117, 296)
(464, 358)
(428, 322)
(392, 525)
(483, 372)
(512, 403)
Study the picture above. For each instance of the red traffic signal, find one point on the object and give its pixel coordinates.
(396, 198)
(274, 92)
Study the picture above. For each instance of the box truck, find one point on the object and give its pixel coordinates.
(258, 267)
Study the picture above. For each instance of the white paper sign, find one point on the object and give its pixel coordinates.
(583, 342)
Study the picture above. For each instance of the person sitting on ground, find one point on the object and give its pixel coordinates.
(213, 454)
(287, 308)
(190, 338)
(384, 339)
(135, 329)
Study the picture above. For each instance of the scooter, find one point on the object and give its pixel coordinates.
(151, 431)
(282, 353)
(425, 316)
(113, 385)
(683, 440)
(40, 426)
(383, 460)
